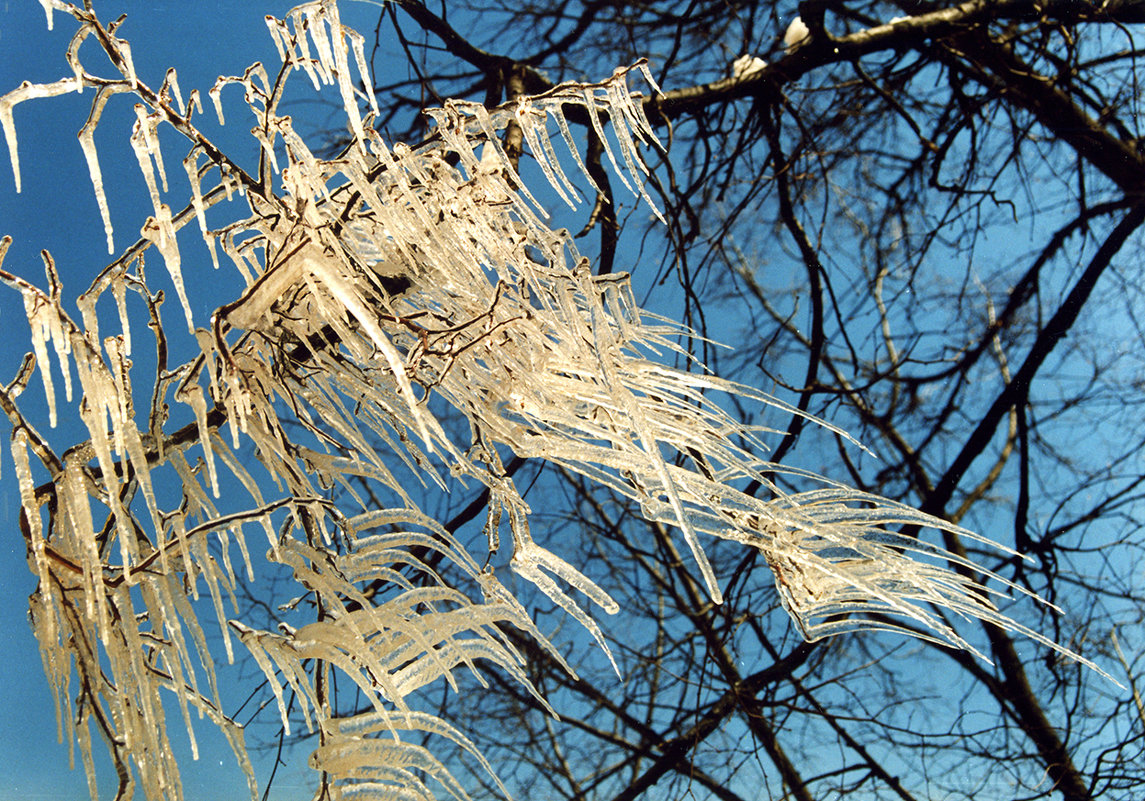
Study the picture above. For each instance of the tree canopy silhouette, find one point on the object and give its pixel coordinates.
(411, 319)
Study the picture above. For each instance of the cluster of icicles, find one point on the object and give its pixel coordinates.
(425, 278)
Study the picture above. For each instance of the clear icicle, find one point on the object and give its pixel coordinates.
(190, 164)
(37, 311)
(147, 128)
(191, 394)
(142, 144)
(10, 137)
(281, 41)
(341, 70)
(87, 144)
(49, 6)
(172, 80)
(160, 232)
(119, 291)
(216, 98)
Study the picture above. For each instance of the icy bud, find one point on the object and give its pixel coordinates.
(797, 35)
(747, 65)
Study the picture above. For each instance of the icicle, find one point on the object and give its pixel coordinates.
(83, 738)
(72, 55)
(53, 320)
(194, 103)
(342, 72)
(618, 97)
(87, 144)
(589, 103)
(525, 565)
(216, 98)
(81, 540)
(209, 571)
(37, 310)
(121, 372)
(281, 41)
(149, 125)
(120, 292)
(160, 231)
(172, 80)
(252, 310)
(256, 96)
(190, 164)
(27, 488)
(159, 604)
(573, 148)
(225, 553)
(252, 639)
(316, 15)
(267, 144)
(10, 137)
(48, 5)
(300, 28)
(145, 146)
(354, 305)
(128, 63)
(122, 414)
(357, 42)
(485, 121)
(86, 304)
(530, 119)
(191, 394)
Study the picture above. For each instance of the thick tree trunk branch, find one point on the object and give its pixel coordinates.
(1118, 160)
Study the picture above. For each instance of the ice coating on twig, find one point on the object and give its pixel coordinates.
(28, 91)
